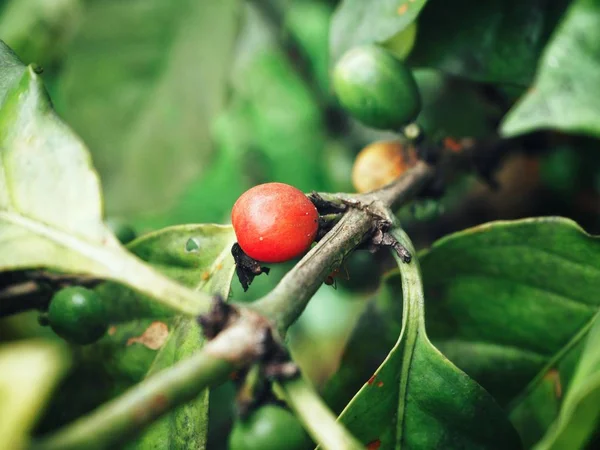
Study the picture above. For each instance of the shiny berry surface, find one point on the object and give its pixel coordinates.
(274, 222)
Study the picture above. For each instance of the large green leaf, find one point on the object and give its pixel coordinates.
(12, 69)
(141, 82)
(357, 22)
(580, 411)
(196, 255)
(50, 203)
(200, 257)
(185, 427)
(563, 95)
(29, 371)
(493, 41)
(510, 303)
(417, 398)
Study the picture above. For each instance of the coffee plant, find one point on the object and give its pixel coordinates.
(299, 224)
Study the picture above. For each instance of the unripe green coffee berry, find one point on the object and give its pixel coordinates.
(77, 315)
(376, 88)
(268, 428)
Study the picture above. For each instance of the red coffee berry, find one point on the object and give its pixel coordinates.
(274, 222)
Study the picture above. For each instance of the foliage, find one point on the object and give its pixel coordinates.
(122, 157)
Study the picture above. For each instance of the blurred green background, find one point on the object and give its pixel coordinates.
(185, 104)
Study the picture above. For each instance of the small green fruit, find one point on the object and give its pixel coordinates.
(77, 315)
(268, 428)
(376, 88)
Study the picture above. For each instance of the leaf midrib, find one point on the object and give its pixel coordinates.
(90, 250)
(412, 325)
(119, 266)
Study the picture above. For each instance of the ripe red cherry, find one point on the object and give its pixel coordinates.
(274, 222)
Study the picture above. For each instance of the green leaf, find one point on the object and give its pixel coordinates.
(39, 30)
(12, 69)
(419, 399)
(141, 83)
(198, 256)
(49, 195)
(50, 203)
(510, 303)
(185, 427)
(105, 369)
(580, 411)
(563, 95)
(29, 371)
(357, 22)
(494, 41)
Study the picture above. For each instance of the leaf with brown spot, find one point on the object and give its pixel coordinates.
(433, 403)
(168, 251)
(153, 337)
(579, 414)
(198, 256)
(553, 375)
(510, 300)
(186, 425)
